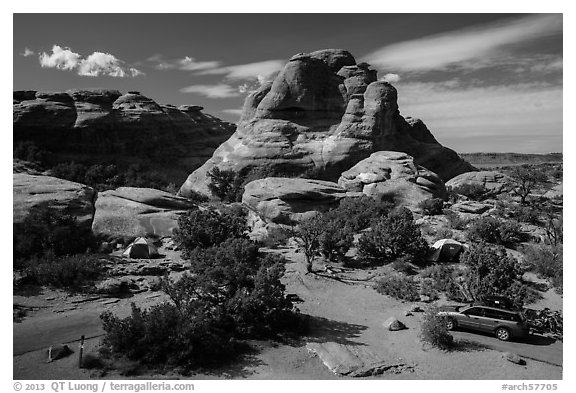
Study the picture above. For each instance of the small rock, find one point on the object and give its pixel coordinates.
(50, 298)
(416, 308)
(512, 357)
(393, 324)
(408, 314)
(56, 352)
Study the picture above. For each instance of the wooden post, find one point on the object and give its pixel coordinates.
(81, 350)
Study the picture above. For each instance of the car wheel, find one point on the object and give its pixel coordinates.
(450, 324)
(503, 334)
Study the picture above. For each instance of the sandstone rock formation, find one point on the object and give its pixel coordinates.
(97, 126)
(495, 182)
(394, 176)
(289, 200)
(323, 113)
(128, 212)
(32, 190)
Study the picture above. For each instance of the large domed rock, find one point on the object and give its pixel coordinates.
(34, 190)
(323, 113)
(393, 176)
(289, 200)
(128, 212)
(96, 126)
(495, 182)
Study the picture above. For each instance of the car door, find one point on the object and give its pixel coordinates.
(489, 320)
(470, 318)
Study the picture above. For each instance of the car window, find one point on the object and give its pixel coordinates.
(494, 314)
(475, 311)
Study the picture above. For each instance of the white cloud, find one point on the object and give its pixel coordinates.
(457, 47)
(236, 112)
(477, 117)
(262, 70)
(391, 78)
(61, 58)
(190, 64)
(27, 52)
(212, 91)
(96, 64)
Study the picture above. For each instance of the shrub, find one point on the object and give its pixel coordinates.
(491, 272)
(443, 233)
(525, 179)
(70, 272)
(392, 237)
(444, 279)
(205, 228)
(226, 184)
(47, 228)
(455, 220)
(276, 236)
(433, 330)
(403, 265)
(493, 230)
(28, 151)
(231, 292)
(427, 288)
(546, 262)
(307, 234)
(398, 287)
(336, 239)
(432, 206)
(70, 171)
(474, 191)
(359, 213)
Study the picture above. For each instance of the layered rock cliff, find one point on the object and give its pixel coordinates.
(105, 126)
(322, 114)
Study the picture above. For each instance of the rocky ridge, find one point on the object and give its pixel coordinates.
(323, 113)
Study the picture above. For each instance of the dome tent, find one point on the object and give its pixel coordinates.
(446, 250)
(141, 248)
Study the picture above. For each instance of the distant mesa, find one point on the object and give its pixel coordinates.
(323, 113)
(104, 126)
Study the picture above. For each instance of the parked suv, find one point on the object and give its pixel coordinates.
(505, 324)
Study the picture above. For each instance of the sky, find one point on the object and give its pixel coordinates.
(481, 82)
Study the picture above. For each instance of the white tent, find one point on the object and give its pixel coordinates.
(446, 250)
(141, 248)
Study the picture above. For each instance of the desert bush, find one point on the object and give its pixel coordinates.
(433, 330)
(226, 184)
(427, 288)
(205, 228)
(493, 230)
(491, 272)
(444, 279)
(76, 272)
(443, 233)
(546, 262)
(336, 239)
(276, 236)
(404, 265)
(525, 180)
(455, 220)
(392, 237)
(231, 292)
(28, 151)
(431, 206)
(359, 213)
(47, 228)
(398, 287)
(522, 213)
(473, 191)
(307, 234)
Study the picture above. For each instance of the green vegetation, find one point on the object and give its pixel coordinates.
(391, 237)
(526, 179)
(432, 206)
(433, 330)
(232, 292)
(206, 228)
(546, 262)
(475, 192)
(493, 230)
(398, 287)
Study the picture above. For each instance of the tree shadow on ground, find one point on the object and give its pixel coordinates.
(322, 330)
(240, 367)
(464, 345)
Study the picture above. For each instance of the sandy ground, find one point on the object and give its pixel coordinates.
(350, 314)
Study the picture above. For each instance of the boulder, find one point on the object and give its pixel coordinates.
(555, 192)
(323, 113)
(289, 200)
(394, 176)
(59, 351)
(116, 286)
(495, 182)
(129, 212)
(393, 324)
(514, 358)
(471, 207)
(33, 190)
